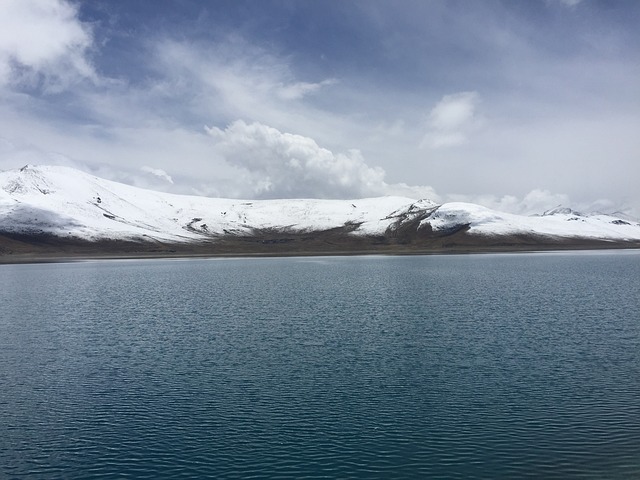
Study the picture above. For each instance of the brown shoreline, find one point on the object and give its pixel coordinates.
(22, 249)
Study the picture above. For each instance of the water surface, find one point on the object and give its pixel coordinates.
(476, 366)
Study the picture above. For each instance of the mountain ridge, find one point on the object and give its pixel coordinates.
(53, 208)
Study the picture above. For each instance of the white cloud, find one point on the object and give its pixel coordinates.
(451, 120)
(158, 172)
(453, 111)
(535, 202)
(541, 200)
(538, 201)
(43, 40)
(284, 165)
(569, 3)
(296, 91)
(288, 165)
(236, 77)
(220, 82)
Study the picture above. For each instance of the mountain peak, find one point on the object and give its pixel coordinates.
(560, 210)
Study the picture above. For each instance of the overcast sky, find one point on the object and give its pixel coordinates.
(520, 105)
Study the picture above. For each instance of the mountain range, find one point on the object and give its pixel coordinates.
(55, 210)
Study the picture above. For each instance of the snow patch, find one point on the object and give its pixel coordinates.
(64, 201)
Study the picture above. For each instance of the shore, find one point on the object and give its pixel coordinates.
(16, 249)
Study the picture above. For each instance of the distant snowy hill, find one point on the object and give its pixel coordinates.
(66, 203)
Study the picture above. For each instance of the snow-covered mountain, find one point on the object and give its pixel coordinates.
(70, 204)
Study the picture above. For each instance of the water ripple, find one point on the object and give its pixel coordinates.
(453, 367)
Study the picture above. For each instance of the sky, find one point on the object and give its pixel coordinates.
(518, 105)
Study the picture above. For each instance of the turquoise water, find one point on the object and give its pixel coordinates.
(477, 366)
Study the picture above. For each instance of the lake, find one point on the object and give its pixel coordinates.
(462, 366)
